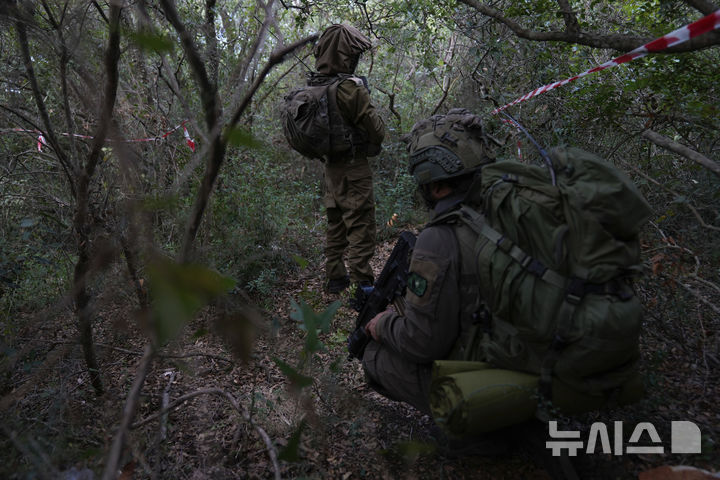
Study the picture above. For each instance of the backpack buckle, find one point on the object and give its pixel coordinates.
(621, 289)
(575, 290)
(504, 244)
(483, 319)
(536, 267)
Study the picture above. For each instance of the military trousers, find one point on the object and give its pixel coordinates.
(396, 377)
(350, 207)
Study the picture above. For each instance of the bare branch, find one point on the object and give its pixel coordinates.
(218, 147)
(212, 109)
(239, 74)
(100, 11)
(682, 150)
(697, 295)
(165, 403)
(445, 91)
(207, 90)
(276, 57)
(169, 77)
(80, 223)
(43, 465)
(42, 109)
(133, 398)
(703, 6)
(619, 42)
(269, 90)
(672, 192)
(571, 23)
(212, 45)
(112, 58)
(391, 103)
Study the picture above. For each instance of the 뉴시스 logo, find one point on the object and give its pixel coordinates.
(684, 438)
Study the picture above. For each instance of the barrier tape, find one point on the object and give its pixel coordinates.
(519, 143)
(42, 142)
(188, 140)
(704, 25)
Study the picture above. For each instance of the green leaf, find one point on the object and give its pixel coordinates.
(297, 379)
(200, 332)
(307, 318)
(302, 263)
(313, 323)
(242, 138)
(152, 42)
(411, 450)
(325, 318)
(290, 452)
(160, 202)
(178, 291)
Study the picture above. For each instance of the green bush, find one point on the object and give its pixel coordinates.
(396, 195)
(34, 269)
(261, 217)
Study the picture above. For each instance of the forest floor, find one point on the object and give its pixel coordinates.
(55, 427)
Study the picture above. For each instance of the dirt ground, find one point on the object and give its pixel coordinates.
(56, 427)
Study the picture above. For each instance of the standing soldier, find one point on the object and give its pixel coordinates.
(349, 198)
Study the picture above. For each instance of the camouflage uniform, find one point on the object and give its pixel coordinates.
(349, 197)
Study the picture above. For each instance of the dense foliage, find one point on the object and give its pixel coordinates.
(99, 191)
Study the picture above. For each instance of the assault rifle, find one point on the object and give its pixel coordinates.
(389, 287)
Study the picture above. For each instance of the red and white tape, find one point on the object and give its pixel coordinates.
(190, 142)
(704, 25)
(42, 142)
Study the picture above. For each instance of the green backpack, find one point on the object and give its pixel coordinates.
(312, 123)
(553, 266)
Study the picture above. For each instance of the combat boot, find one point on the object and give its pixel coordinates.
(363, 289)
(337, 285)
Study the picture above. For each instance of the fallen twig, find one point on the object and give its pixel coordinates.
(165, 403)
(111, 466)
(137, 353)
(700, 297)
(272, 452)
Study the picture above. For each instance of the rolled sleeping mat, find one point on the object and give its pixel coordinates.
(443, 368)
(479, 401)
(468, 398)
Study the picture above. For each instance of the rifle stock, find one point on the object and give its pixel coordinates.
(390, 285)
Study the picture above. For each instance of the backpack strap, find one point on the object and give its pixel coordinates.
(477, 222)
(572, 298)
(349, 134)
(335, 118)
(574, 289)
(474, 315)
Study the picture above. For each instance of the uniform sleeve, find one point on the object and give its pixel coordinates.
(430, 326)
(355, 106)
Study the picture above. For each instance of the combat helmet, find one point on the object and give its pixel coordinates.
(447, 146)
